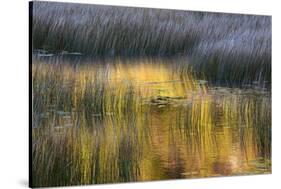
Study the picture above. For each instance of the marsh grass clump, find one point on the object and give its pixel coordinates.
(62, 90)
(115, 120)
(109, 30)
(105, 30)
(225, 48)
(74, 157)
(246, 116)
(107, 150)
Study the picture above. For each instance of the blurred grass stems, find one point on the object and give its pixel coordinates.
(90, 127)
(226, 48)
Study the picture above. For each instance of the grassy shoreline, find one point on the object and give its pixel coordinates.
(223, 47)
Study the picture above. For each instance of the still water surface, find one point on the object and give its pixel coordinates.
(156, 121)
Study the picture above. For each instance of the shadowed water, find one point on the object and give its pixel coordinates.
(140, 120)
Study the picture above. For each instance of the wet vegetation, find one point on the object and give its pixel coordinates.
(131, 94)
(107, 122)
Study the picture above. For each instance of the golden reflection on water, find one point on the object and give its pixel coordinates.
(157, 78)
(154, 122)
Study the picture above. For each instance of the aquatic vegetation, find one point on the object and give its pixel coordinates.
(122, 94)
(103, 122)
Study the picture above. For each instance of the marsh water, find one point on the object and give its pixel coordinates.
(141, 120)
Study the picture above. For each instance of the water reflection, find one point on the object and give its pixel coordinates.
(143, 120)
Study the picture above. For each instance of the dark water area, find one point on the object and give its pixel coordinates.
(141, 120)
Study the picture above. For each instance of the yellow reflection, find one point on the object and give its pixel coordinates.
(120, 122)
